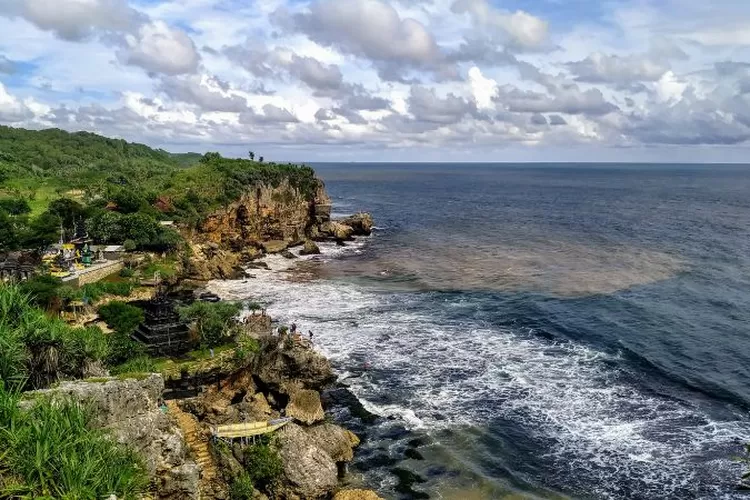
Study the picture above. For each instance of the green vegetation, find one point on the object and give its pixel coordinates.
(120, 190)
(213, 321)
(262, 463)
(52, 450)
(121, 317)
(49, 292)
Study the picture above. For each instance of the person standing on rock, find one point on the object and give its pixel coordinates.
(294, 328)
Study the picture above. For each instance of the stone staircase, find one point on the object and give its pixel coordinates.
(197, 443)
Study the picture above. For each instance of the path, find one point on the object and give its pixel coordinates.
(198, 444)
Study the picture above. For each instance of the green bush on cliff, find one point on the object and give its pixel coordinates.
(121, 317)
(263, 464)
(214, 322)
(53, 450)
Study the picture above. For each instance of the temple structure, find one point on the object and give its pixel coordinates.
(162, 331)
(14, 267)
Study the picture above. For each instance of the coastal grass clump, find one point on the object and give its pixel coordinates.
(39, 349)
(51, 449)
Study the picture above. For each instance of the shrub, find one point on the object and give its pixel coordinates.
(129, 246)
(246, 347)
(263, 464)
(54, 451)
(43, 290)
(213, 321)
(242, 487)
(127, 272)
(82, 345)
(122, 349)
(121, 317)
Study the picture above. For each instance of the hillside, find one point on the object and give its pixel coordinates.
(120, 189)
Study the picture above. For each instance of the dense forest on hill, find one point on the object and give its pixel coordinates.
(120, 189)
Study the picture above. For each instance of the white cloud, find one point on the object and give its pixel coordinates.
(522, 29)
(160, 49)
(74, 19)
(341, 76)
(483, 89)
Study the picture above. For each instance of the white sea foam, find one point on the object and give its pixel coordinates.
(403, 360)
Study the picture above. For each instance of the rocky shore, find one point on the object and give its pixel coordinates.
(278, 377)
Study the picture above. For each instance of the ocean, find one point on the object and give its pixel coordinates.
(535, 330)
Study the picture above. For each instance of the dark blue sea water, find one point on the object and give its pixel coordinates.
(546, 331)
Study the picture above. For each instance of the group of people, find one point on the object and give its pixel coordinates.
(293, 334)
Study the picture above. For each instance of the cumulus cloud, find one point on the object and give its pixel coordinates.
(520, 28)
(159, 48)
(74, 19)
(427, 106)
(372, 29)
(377, 74)
(12, 109)
(208, 93)
(620, 70)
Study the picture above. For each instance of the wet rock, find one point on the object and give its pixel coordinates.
(360, 223)
(305, 407)
(356, 495)
(413, 454)
(406, 480)
(337, 230)
(274, 246)
(338, 442)
(310, 248)
(309, 472)
(288, 254)
(258, 265)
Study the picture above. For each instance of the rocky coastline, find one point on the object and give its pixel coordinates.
(171, 427)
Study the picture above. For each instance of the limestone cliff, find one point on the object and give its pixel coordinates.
(265, 219)
(266, 213)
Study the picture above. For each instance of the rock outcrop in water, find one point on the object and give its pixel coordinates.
(265, 220)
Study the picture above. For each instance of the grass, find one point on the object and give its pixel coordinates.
(54, 451)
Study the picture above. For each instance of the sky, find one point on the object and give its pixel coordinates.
(388, 80)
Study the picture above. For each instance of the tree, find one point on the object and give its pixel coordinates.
(9, 239)
(68, 210)
(260, 159)
(42, 232)
(213, 321)
(128, 201)
(107, 227)
(251, 155)
(15, 206)
(140, 228)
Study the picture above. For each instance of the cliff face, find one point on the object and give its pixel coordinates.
(266, 213)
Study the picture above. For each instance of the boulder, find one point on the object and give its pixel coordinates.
(356, 495)
(274, 246)
(360, 223)
(338, 442)
(309, 472)
(337, 230)
(284, 368)
(310, 248)
(315, 234)
(305, 407)
(288, 254)
(341, 231)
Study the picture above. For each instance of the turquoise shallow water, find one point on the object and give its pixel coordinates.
(572, 330)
